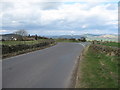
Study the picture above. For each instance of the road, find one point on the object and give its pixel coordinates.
(48, 68)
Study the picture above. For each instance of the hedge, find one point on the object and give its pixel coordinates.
(106, 49)
(15, 48)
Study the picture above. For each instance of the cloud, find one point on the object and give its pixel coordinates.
(48, 5)
(58, 17)
(3, 31)
(59, 1)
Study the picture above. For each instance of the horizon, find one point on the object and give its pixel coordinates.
(65, 34)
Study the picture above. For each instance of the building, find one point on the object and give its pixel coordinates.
(8, 37)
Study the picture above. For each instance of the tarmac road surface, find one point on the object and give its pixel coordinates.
(47, 68)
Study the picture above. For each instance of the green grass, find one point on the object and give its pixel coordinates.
(98, 70)
(21, 42)
(113, 44)
(62, 40)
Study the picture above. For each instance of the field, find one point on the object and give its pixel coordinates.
(113, 44)
(103, 39)
(22, 42)
(98, 70)
(60, 40)
(66, 40)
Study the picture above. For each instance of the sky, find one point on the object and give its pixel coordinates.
(59, 17)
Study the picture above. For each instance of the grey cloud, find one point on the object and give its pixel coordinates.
(48, 5)
(112, 7)
(6, 5)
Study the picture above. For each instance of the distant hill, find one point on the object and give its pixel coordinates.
(104, 37)
(66, 36)
(88, 35)
(109, 36)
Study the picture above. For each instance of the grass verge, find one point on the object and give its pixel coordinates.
(97, 70)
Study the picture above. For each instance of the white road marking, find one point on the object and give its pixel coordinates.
(82, 45)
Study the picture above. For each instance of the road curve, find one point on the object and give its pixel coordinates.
(48, 68)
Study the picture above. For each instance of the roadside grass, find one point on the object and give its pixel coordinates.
(97, 70)
(113, 44)
(21, 42)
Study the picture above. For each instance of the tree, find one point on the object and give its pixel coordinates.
(21, 32)
(29, 35)
(36, 37)
(83, 39)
